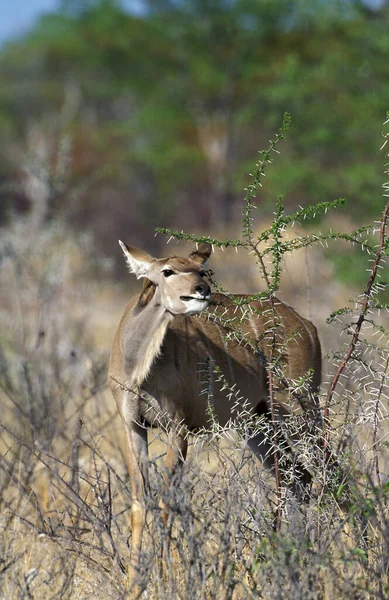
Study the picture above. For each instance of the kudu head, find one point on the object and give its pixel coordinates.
(179, 281)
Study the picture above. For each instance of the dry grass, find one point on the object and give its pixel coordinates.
(64, 520)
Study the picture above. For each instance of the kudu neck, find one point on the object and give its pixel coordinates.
(144, 334)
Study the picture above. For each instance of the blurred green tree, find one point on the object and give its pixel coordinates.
(157, 115)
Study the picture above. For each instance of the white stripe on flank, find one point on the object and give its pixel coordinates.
(254, 327)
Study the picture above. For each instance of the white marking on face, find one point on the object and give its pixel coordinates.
(195, 305)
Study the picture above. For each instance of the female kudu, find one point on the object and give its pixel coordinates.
(156, 370)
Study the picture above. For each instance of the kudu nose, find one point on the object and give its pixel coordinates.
(203, 289)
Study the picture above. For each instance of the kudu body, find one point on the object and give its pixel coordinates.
(165, 352)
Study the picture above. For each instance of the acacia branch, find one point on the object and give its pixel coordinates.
(358, 326)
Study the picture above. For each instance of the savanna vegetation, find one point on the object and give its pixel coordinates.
(114, 123)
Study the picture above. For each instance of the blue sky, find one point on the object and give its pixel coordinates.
(17, 16)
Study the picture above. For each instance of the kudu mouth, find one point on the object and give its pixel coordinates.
(200, 298)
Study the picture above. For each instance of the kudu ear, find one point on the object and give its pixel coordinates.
(138, 262)
(202, 254)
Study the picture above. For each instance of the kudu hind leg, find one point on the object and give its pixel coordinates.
(262, 444)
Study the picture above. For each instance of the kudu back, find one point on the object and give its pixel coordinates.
(166, 351)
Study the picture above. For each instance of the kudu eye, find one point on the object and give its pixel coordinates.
(202, 273)
(168, 272)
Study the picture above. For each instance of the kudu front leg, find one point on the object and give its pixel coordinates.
(136, 454)
(175, 458)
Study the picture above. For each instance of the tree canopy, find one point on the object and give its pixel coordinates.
(110, 117)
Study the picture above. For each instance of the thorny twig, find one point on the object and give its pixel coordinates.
(357, 330)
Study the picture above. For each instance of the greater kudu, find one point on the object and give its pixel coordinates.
(156, 369)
